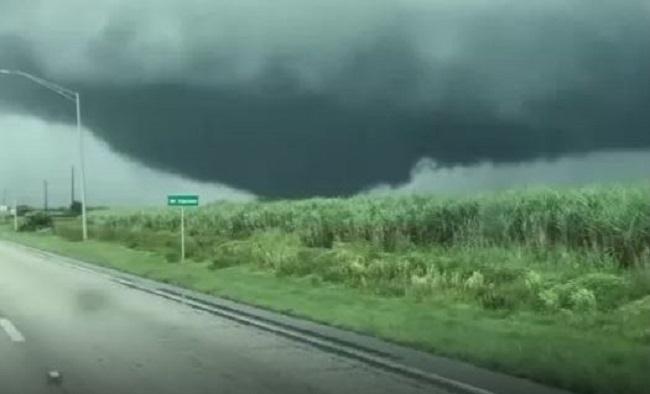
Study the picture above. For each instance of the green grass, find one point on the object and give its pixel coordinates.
(576, 321)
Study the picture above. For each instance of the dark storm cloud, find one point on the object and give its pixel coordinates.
(295, 98)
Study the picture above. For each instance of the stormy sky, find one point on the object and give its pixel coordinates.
(296, 98)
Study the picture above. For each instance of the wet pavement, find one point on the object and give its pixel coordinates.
(64, 330)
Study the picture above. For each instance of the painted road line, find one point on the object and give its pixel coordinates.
(11, 331)
(124, 282)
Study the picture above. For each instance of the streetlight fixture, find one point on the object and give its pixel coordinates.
(74, 97)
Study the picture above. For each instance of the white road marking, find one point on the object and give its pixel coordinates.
(123, 282)
(11, 330)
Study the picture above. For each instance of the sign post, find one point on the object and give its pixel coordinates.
(182, 233)
(182, 201)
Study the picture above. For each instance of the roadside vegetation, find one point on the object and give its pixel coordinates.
(547, 284)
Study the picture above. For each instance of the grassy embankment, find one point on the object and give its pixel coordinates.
(552, 285)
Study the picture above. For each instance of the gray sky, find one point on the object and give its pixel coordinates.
(295, 98)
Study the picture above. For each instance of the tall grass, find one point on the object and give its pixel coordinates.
(604, 219)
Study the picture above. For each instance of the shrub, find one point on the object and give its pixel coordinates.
(608, 289)
(75, 208)
(35, 221)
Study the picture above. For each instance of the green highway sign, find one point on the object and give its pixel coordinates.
(182, 200)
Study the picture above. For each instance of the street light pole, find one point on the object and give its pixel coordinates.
(82, 159)
(72, 96)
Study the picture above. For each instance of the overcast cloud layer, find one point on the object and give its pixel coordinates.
(297, 97)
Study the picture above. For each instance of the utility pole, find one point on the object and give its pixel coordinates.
(4, 204)
(72, 188)
(15, 215)
(45, 195)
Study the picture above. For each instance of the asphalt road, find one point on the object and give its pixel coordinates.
(105, 338)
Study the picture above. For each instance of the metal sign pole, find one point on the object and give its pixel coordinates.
(182, 201)
(182, 234)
